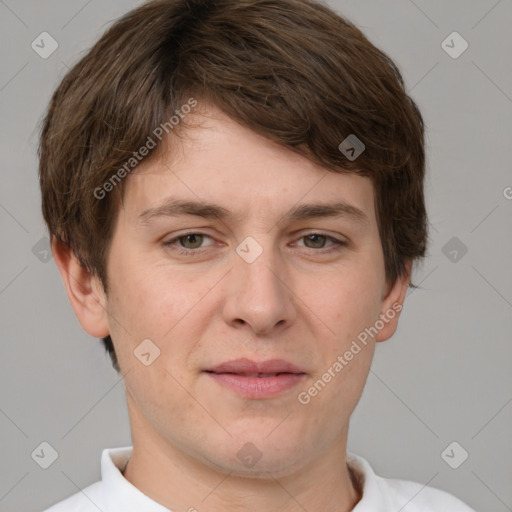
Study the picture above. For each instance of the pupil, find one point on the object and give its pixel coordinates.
(192, 239)
(316, 238)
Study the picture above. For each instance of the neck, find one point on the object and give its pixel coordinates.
(179, 482)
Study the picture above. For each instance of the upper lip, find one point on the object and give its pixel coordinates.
(247, 366)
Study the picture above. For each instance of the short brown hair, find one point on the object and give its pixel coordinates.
(290, 70)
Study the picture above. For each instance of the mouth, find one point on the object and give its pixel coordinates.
(259, 375)
(250, 368)
(257, 380)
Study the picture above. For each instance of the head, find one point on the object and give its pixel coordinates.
(241, 107)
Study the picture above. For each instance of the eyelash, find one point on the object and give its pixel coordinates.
(337, 244)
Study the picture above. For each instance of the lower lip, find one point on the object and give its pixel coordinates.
(258, 387)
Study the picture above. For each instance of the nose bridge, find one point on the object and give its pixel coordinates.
(257, 266)
(258, 295)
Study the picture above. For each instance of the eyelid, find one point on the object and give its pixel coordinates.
(333, 239)
(336, 242)
(175, 238)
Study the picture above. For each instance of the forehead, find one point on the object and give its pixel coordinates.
(215, 160)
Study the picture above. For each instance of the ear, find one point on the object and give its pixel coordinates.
(392, 304)
(84, 290)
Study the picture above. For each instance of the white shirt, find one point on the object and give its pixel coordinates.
(113, 493)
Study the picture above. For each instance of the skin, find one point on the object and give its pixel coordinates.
(297, 301)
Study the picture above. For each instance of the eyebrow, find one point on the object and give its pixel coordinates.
(173, 207)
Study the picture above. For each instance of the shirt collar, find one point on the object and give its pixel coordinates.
(375, 492)
(117, 492)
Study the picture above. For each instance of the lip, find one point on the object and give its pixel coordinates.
(247, 367)
(257, 380)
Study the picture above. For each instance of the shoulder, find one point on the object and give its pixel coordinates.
(110, 489)
(415, 497)
(86, 500)
(381, 494)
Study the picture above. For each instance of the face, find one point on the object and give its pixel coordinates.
(250, 277)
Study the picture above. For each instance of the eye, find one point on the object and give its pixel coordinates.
(187, 243)
(317, 241)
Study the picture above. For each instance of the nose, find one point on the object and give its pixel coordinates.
(260, 294)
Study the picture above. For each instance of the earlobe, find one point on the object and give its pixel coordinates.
(392, 305)
(84, 291)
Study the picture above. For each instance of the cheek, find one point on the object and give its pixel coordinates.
(345, 301)
(155, 395)
(150, 301)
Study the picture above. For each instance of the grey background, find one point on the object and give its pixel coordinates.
(445, 376)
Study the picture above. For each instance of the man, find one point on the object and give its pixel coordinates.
(234, 192)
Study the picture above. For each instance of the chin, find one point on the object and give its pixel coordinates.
(256, 459)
